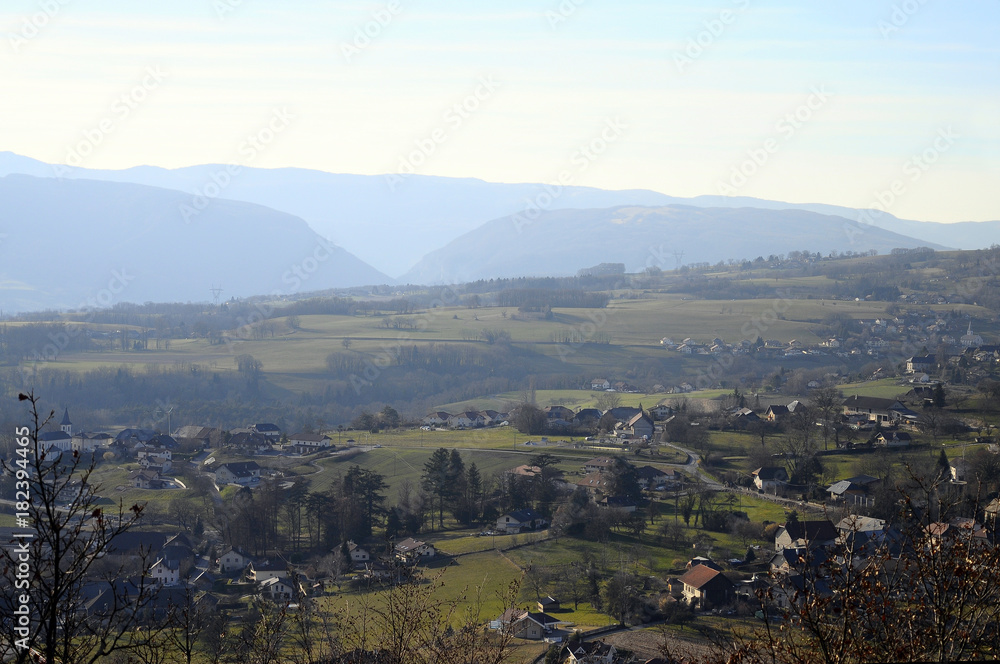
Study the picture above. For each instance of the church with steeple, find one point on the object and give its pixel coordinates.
(61, 440)
(971, 339)
(66, 426)
(65, 440)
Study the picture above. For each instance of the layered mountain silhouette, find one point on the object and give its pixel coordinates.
(392, 222)
(559, 242)
(418, 229)
(82, 243)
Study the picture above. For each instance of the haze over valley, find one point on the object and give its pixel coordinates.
(250, 232)
(519, 332)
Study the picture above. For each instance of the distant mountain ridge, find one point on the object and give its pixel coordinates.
(73, 243)
(392, 227)
(559, 242)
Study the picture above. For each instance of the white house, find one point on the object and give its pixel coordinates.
(165, 572)
(411, 550)
(90, 442)
(769, 478)
(469, 418)
(268, 570)
(591, 652)
(268, 430)
(155, 458)
(437, 418)
(521, 624)
(526, 519)
(661, 411)
(655, 478)
(146, 479)
(358, 554)
(920, 363)
(893, 439)
(640, 426)
(309, 441)
(598, 465)
(278, 590)
(233, 560)
(805, 534)
(244, 473)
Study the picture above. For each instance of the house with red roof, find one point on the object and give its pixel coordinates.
(705, 587)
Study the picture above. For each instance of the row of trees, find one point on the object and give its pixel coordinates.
(287, 516)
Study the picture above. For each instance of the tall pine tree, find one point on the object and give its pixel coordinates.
(437, 480)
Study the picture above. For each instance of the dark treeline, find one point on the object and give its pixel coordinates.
(411, 374)
(585, 283)
(412, 378)
(20, 342)
(529, 299)
(339, 306)
(863, 288)
(722, 288)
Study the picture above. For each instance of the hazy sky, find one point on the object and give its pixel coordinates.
(796, 100)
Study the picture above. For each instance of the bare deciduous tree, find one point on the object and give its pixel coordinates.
(927, 591)
(55, 562)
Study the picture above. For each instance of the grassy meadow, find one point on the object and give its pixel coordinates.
(294, 360)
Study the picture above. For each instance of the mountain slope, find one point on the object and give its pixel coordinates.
(70, 243)
(392, 222)
(388, 224)
(559, 242)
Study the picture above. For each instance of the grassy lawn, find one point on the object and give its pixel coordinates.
(481, 579)
(887, 388)
(402, 464)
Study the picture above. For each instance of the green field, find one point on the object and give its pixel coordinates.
(887, 388)
(400, 465)
(583, 398)
(295, 360)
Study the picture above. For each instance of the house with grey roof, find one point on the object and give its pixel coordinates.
(244, 473)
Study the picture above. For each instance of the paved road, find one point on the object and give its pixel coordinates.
(693, 467)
